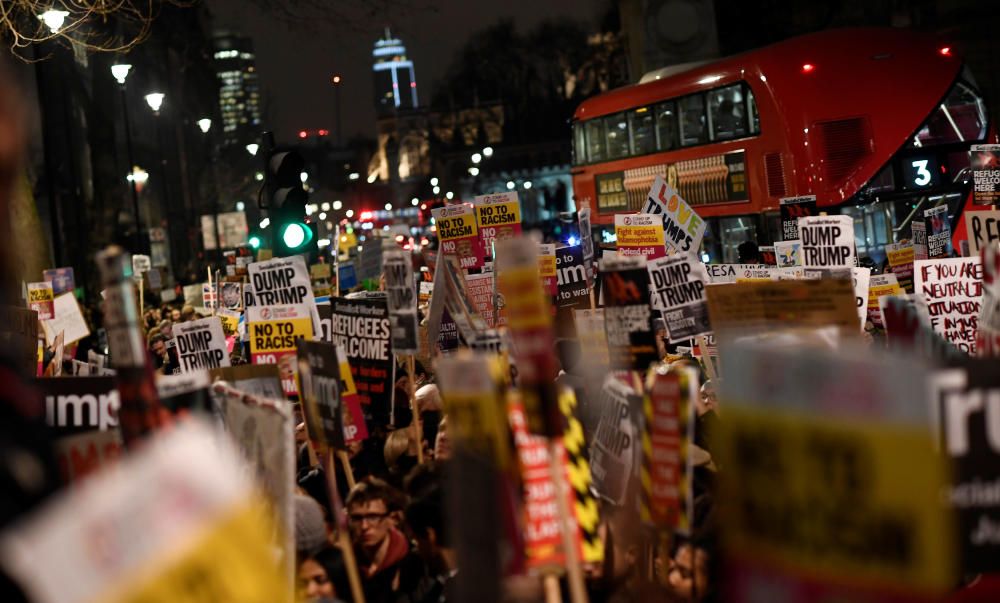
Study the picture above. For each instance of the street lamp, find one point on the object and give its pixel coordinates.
(53, 19)
(120, 72)
(336, 79)
(252, 148)
(476, 158)
(155, 101)
(488, 152)
(205, 124)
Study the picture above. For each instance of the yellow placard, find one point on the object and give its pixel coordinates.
(523, 297)
(546, 266)
(900, 257)
(499, 214)
(877, 291)
(232, 561)
(278, 335)
(835, 501)
(458, 226)
(40, 295)
(472, 395)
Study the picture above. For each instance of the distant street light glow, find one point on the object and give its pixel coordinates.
(265, 222)
(337, 205)
(449, 195)
(434, 181)
(488, 152)
(325, 206)
(205, 124)
(388, 207)
(510, 185)
(252, 148)
(155, 101)
(414, 202)
(527, 184)
(54, 19)
(240, 206)
(476, 158)
(120, 71)
(349, 213)
(353, 176)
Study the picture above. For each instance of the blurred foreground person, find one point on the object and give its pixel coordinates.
(389, 569)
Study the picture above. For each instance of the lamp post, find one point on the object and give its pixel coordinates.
(120, 72)
(336, 79)
(205, 124)
(155, 101)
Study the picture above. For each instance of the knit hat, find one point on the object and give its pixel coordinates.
(310, 527)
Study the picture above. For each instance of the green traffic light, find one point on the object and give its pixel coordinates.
(254, 241)
(295, 235)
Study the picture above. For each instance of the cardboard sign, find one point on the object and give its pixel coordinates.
(793, 208)
(201, 345)
(586, 238)
(795, 418)
(615, 443)
(459, 234)
(571, 278)
(284, 281)
(397, 266)
(953, 290)
(900, 258)
(878, 286)
(861, 278)
(592, 335)
(919, 230)
(827, 241)
(68, 320)
(739, 273)
(683, 227)
(788, 253)
(41, 299)
(216, 545)
(667, 468)
(480, 289)
(362, 328)
(985, 162)
(628, 319)
(982, 227)
(938, 230)
(639, 235)
(260, 380)
(747, 306)
(499, 217)
(61, 278)
(678, 293)
(964, 400)
(273, 332)
(547, 268)
(470, 391)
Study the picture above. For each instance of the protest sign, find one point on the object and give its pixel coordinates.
(988, 325)
(767, 256)
(571, 278)
(68, 320)
(273, 332)
(668, 432)
(827, 241)
(900, 258)
(793, 208)
(215, 546)
(683, 227)
(480, 289)
(450, 294)
(908, 328)
(982, 228)
(628, 319)
(615, 444)
(861, 279)
(230, 320)
(593, 338)
(447, 339)
(586, 237)
(470, 390)
(347, 276)
(739, 273)
(42, 300)
(953, 290)
(938, 230)
(231, 295)
(61, 278)
(788, 253)
(397, 266)
(424, 294)
(369, 265)
(529, 324)
(82, 414)
(201, 344)
(459, 234)
(321, 275)
(678, 293)
(880, 285)
(284, 281)
(639, 235)
(919, 231)
(499, 217)
(208, 296)
(185, 394)
(362, 328)
(547, 268)
(193, 295)
(743, 306)
(325, 312)
(985, 162)
(261, 380)
(964, 399)
(793, 421)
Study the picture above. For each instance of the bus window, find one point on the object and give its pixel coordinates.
(754, 116)
(733, 231)
(640, 122)
(666, 126)
(579, 144)
(595, 140)
(693, 130)
(960, 118)
(727, 112)
(617, 127)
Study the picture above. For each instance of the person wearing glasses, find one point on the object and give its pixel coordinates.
(388, 566)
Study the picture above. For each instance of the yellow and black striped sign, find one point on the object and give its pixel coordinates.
(585, 507)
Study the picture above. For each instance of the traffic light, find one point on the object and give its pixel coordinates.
(291, 231)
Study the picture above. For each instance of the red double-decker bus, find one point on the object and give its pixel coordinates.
(876, 123)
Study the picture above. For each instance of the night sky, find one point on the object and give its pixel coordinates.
(295, 63)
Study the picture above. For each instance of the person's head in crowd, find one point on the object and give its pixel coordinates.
(686, 572)
(748, 253)
(368, 510)
(323, 576)
(188, 314)
(175, 315)
(708, 398)
(158, 345)
(167, 329)
(426, 520)
(400, 453)
(442, 444)
(310, 525)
